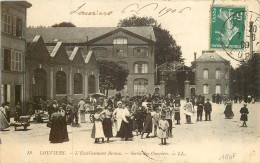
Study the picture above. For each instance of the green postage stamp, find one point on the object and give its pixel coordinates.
(227, 27)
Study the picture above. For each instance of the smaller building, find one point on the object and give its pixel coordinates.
(212, 75)
(54, 73)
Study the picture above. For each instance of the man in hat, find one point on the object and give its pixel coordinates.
(207, 109)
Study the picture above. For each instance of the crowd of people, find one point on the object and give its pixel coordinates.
(120, 117)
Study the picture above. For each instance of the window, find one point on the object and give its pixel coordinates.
(120, 47)
(78, 84)
(100, 52)
(218, 89)
(141, 52)
(16, 61)
(7, 24)
(141, 67)
(226, 89)
(205, 89)
(7, 59)
(5, 93)
(13, 25)
(218, 73)
(19, 27)
(140, 86)
(61, 87)
(205, 74)
(123, 64)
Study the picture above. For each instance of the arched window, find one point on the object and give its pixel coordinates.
(123, 64)
(61, 82)
(140, 67)
(205, 89)
(218, 73)
(78, 84)
(218, 89)
(205, 74)
(141, 52)
(140, 86)
(91, 84)
(120, 47)
(100, 52)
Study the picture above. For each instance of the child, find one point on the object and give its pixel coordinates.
(244, 111)
(97, 130)
(163, 129)
(156, 118)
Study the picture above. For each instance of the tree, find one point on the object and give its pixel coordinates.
(64, 24)
(112, 75)
(248, 77)
(166, 49)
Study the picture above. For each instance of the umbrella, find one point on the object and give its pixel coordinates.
(96, 95)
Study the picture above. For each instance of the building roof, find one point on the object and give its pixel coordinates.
(82, 34)
(210, 56)
(21, 3)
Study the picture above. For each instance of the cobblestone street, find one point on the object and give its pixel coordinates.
(217, 141)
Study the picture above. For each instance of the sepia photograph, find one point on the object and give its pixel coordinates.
(130, 81)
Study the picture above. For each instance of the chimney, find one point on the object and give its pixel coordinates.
(195, 56)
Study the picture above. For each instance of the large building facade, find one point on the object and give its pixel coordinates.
(131, 47)
(55, 73)
(13, 48)
(212, 75)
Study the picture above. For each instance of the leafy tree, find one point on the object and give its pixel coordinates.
(166, 49)
(64, 24)
(248, 77)
(112, 75)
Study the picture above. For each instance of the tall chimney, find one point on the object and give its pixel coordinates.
(195, 56)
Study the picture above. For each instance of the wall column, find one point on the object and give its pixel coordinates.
(86, 84)
(51, 83)
(187, 91)
(70, 82)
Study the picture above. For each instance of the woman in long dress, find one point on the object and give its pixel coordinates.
(56, 133)
(64, 125)
(3, 121)
(228, 110)
(138, 119)
(97, 130)
(126, 128)
(148, 124)
(107, 122)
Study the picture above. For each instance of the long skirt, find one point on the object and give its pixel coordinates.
(138, 125)
(107, 127)
(228, 112)
(65, 130)
(148, 125)
(97, 130)
(177, 116)
(118, 124)
(82, 116)
(57, 132)
(126, 130)
(3, 122)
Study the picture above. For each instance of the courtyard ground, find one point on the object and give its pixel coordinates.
(220, 140)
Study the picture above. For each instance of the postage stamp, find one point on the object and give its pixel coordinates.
(227, 27)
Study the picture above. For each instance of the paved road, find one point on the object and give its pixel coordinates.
(221, 140)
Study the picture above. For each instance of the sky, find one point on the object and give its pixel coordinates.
(187, 21)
